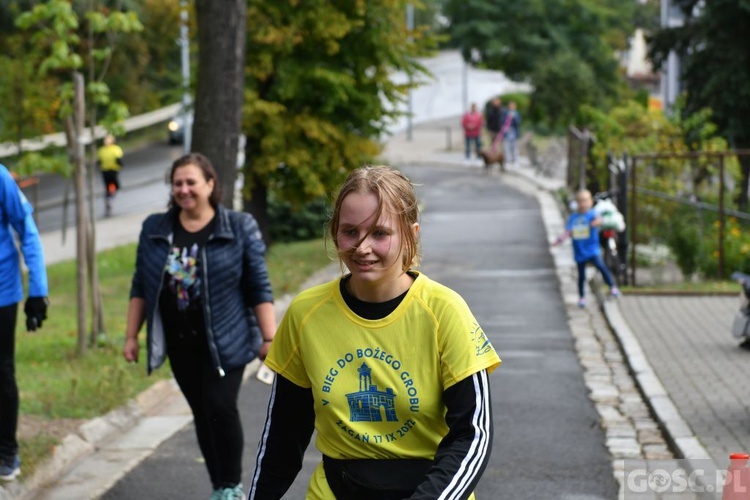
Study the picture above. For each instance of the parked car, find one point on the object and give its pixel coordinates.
(176, 127)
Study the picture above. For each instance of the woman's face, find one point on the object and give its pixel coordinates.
(372, 253)
(190, 189)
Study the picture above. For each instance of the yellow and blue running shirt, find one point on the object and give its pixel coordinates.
(378, 385)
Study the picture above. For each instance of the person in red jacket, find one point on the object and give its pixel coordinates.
(472, 125)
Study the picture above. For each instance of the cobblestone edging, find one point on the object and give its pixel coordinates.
(631, 432)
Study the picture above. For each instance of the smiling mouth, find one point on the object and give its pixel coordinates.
(362, 263)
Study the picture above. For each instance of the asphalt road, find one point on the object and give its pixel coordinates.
(486, 240)
(142, 186)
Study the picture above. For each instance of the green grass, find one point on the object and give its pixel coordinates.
(54, 383)
(290, 264)
(697, 287)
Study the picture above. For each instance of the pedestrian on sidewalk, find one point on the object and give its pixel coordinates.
(493, 119)
(583, 228)
(472, 125)
(15, 216)
(510, 132)
(110, 161)
(209, 324)
(389, 367)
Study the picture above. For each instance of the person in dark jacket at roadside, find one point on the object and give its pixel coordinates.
(494, 116)
(201, 285)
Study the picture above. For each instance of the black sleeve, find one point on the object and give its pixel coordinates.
(119, 161)
(290, 421)
(464, 452)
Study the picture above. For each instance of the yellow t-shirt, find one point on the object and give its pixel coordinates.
(108, 156)
(378, 384)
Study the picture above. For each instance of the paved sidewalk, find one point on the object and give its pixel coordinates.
(679, 349)
(687, 342)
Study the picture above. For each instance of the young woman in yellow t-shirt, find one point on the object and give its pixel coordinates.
(389, 367)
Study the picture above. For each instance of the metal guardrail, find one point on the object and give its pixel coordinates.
(58, 139)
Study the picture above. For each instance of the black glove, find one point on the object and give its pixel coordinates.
(36, 312)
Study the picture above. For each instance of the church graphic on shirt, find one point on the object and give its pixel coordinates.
(370, 404)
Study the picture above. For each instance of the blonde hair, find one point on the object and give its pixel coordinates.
(109, 139)
(396, 196)
(583, 193)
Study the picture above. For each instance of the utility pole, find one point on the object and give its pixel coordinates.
(410, 28)
(465, 85)
(187, 120)
(670, 72)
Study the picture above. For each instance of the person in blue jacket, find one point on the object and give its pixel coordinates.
(583, 228)
(201, 285)
(15, 217)
(510, 132)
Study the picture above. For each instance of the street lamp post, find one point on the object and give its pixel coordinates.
(474, 58)
(409, 111)
(670, 76)
(465, 85)
(187, 122)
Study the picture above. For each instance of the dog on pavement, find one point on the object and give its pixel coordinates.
(492, 157)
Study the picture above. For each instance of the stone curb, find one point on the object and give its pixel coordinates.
(679, 434)
(676, 432)
(89, 436)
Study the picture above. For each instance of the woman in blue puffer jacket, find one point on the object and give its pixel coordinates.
(201, 285)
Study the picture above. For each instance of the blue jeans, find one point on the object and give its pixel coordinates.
(599, 264)
(511, 146)
(477, 146)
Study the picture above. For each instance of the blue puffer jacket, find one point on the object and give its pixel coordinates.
(235, 280)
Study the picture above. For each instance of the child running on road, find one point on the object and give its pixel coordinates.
(110, 161)
(583, 228)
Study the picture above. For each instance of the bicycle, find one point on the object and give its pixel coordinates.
(612, 223)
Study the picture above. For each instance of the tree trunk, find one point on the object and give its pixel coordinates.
(222, 26)
(97, 309)
(79, 111)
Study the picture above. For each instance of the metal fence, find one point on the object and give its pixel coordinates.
(58, 139)
(682, 224)
(682, 220)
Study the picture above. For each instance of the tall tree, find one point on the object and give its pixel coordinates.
(26, 98)
(162, 79)
(55, 24)
(563, 44)
(715, 54)
(219, 88)
(321, 91)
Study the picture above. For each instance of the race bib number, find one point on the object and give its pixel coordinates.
(581, 231)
